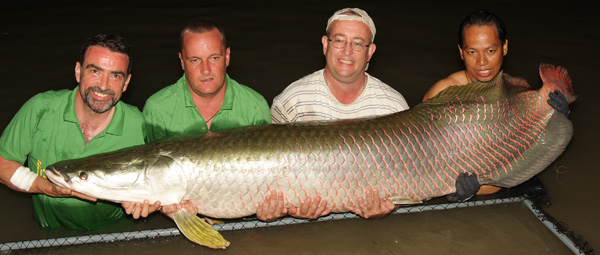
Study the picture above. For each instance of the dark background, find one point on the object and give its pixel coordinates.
(275, 43)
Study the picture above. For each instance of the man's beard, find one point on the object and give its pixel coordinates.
(99, 106)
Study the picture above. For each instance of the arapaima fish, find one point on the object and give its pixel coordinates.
(503, 132)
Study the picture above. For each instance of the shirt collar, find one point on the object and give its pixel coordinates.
(227, 101)
(115, 127)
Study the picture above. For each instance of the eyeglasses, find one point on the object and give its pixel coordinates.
(341, 43)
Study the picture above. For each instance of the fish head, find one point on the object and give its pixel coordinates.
(120, 180)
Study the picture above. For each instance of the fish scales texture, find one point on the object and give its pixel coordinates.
(413, 155)
(502, 131)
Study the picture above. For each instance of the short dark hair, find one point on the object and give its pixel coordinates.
(201, 25)
(114, 43)
(482, 18)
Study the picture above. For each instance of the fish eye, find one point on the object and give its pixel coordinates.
(83, 176)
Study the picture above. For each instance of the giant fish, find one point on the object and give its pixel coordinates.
(502, 132)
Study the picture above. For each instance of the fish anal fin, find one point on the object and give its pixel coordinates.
(404, 201)
(214, 221)
(198, 231)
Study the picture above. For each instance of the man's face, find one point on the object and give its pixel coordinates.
(102, 78)
(204, 60)
(347, 65)
(482, 52)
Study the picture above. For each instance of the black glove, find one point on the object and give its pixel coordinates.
(466, 186)
(559, 102)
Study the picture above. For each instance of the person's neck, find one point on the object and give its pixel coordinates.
(209, 105)
(345, 92)
(467, 78)
(91, 123)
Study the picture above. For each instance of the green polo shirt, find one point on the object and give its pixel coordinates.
(46, 131)
(171, 111)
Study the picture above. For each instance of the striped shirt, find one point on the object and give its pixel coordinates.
(310, 99)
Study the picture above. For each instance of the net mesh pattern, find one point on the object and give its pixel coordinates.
(534, 203)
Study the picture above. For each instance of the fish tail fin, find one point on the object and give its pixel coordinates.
(557, 78)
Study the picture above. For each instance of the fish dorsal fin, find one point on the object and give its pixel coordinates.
(502, 86)
(198, 231)
(469, 91)
(516, 84)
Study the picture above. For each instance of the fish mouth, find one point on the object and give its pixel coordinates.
(57, 177)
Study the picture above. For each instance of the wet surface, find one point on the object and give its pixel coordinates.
(454, 231)
(274, 44)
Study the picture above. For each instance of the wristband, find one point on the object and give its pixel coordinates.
(23, 178)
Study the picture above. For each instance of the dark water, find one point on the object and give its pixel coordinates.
(273, 44)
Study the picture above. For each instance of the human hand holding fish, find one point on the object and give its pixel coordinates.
(311, 209)
(558, 101)
(41, 185)
(374, 207)
(137, 209)
(172, 208)
(273, 207)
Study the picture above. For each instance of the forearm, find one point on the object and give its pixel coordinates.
(27, 183)
(7, 172)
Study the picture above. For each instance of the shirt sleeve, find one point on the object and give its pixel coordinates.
(15, 143)
(263, 113)
(153, 124)
(278, 112)
(251, 106)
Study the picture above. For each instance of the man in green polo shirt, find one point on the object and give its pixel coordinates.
(205, 97)
(67, 124)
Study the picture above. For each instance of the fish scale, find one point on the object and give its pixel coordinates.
(503, 132)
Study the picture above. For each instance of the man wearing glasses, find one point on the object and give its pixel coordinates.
(342, 90)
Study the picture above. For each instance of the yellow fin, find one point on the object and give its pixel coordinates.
(198, 231)
(404, 201)
(214, 221)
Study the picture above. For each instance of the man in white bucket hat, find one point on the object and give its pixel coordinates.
(342, 90)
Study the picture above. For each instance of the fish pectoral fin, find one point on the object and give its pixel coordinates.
(404, 201)
(198, 231)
